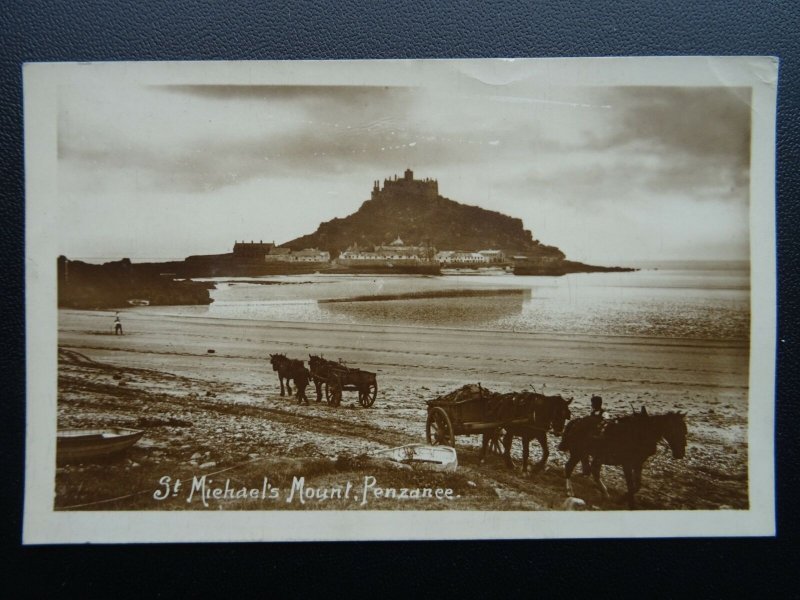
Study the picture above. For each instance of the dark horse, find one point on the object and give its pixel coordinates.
(626, 442)
(290, 369)
(319, 368)
(533, 415)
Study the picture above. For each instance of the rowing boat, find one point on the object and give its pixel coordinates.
(77, 444)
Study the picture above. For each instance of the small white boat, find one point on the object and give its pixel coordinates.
(139, 302)
(77, 444)
(442, 458)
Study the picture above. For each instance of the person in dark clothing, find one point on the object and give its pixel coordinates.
(597, 406)
(117, 325)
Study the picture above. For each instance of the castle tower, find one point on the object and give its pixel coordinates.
(405, 187)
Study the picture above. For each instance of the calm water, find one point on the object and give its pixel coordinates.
(701, 302)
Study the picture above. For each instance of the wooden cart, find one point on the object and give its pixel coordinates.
(337, 378)
(450, 416)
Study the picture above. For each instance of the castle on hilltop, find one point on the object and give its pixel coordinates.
(407, 186)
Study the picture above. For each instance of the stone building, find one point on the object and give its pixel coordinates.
(396, 252)
(493, 256)
(252, 251)
(278, 255)
(307, 255)
(457, 257)
(312, 255)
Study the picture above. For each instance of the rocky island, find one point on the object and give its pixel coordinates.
(445, 233)
(440, 233)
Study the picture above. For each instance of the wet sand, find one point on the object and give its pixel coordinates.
(161, 368)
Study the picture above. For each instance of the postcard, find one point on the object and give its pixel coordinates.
(400, 299)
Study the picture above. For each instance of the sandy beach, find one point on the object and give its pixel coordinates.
(207, 412)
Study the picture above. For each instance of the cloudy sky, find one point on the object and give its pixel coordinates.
(609, 175)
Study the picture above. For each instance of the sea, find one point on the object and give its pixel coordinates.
(692, 299)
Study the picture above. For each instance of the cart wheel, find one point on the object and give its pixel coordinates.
(438, 429)
(367, 397)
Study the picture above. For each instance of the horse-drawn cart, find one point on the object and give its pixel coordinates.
(467, 411)
(337, 378)
(473, 409)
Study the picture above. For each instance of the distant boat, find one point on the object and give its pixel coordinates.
(138, 302)
(438, 457)
(77, 444)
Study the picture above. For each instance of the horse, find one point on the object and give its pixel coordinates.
(291, 369)
(301, 377)
(541, 413)
(625, 441)
(319, 368)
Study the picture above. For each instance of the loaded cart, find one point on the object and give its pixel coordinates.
(343, 378)
(468, 410)
(338, 378)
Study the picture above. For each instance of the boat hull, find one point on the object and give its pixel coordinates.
(82, 444)
(440, 458)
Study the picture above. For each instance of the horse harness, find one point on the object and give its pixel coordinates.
(497, 402)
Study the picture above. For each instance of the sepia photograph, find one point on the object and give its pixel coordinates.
(412, 299)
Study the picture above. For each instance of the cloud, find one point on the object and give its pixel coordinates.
(613, 151)
(702, 122)
(216, 136)
(652, 142)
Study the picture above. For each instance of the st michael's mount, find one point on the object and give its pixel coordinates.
(405, 227)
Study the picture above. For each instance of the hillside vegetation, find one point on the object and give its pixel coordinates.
(441, 222)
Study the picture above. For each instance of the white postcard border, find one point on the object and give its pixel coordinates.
(43, 525)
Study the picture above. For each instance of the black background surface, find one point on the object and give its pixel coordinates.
(184, 30)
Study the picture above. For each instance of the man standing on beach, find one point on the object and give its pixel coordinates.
(597, 407)
(117, 325)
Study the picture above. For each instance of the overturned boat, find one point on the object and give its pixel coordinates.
(440, 458)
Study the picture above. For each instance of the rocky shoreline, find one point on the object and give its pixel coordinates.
(121, 283)
(566, 267)
(115, 284)
(220, 414)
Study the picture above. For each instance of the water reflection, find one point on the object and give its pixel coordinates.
(453, 311)
(680, 304)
